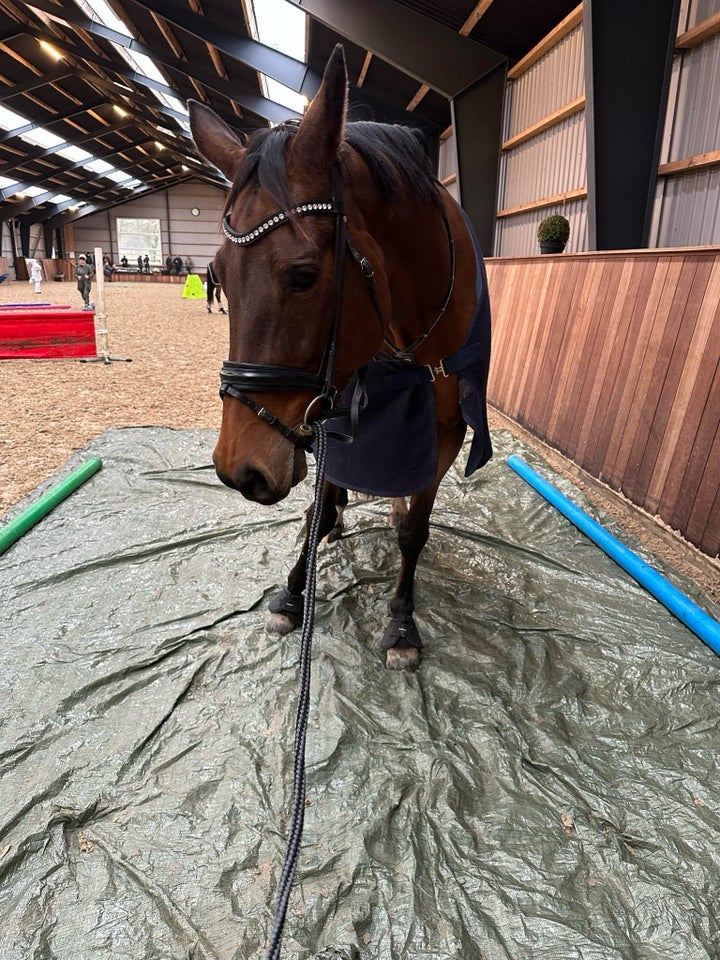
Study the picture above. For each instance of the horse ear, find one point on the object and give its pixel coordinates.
(321, 130)
(215, 140)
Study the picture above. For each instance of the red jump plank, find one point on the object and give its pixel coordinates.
(47, 334)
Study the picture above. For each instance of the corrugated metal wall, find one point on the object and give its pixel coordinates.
(556, 79)
(182, 234)
(447, 166)
(551, 163)
(687, 207)
(517, 235)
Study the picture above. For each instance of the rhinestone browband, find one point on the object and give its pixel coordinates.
(277, 220)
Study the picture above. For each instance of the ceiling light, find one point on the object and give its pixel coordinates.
(117, 109)
(159, 145)
(50, 49)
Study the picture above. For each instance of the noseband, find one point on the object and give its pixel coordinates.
(237, 379)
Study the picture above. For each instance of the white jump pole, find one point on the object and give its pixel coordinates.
(101, 330)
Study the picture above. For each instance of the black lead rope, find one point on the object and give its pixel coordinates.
(297, 817)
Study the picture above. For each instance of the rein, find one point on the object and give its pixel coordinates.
(297, 815)
(237, 378)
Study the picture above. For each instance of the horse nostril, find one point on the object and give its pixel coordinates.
(254, 485)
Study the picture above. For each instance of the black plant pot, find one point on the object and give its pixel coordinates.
(551, 246)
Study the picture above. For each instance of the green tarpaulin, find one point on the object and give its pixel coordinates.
(545, 787)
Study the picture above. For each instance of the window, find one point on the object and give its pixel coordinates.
(139, 236)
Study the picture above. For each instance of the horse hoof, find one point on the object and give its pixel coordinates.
(402, 658)
(278, 625)
(286, 613)
(334, 535)
(402, 644)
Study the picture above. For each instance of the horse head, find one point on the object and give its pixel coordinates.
(277, 267)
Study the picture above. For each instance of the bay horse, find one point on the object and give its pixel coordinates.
(356, 296)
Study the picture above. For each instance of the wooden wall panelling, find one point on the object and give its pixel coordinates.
(613, 359)
(686, 468)
(643, 419)
(565, 371)
(541, 327)
(641, 296)
(556, 333)
(512, 306)
(704, 522)
(664, 483)
(667, 375)
(599, 322)
(700, 480)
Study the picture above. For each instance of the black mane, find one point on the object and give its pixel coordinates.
(394, 154)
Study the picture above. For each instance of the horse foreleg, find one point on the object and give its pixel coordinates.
(401, 640)
(287, 607)
(341, 501)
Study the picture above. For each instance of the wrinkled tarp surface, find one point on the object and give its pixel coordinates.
(545, 787)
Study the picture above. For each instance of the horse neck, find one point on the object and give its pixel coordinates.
(416, 263)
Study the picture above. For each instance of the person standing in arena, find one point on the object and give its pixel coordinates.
(83, 275)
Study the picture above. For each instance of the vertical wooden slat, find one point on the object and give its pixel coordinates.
(574, 334)
(604, 359)
(709, 519)
(606, 424)
(636, 414)
(538, 348)
(664, 482)
(695, 439)
(588, 356)
(645, 442)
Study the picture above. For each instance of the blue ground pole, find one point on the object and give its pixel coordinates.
(688, 612)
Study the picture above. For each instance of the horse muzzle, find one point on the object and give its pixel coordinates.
(265, 483)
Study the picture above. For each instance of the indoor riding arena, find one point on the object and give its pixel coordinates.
(509, 753)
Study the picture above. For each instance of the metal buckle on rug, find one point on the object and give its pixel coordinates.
(435, 372)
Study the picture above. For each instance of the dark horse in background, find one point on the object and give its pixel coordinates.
(356, 295)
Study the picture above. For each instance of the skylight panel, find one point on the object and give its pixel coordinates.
(40, 137)
(280, 25)
(99, 10)
(118, 176)
(60, 198)
(34, 191)
(98, 166)
(9, 120)
(74, 154)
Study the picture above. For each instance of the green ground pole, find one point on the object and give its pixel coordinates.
(36, 511)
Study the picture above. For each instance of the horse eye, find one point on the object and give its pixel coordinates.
(300, 277)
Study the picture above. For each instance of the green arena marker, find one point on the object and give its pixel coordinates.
(36, 511)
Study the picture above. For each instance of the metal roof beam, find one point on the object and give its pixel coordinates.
(41, 154)
(52, 76)
(56, 118)
(279, 66)
(431, 53)
(60, 217)
(267, 109)
(8, 192)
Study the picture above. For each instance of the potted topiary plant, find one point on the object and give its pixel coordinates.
(553, 233)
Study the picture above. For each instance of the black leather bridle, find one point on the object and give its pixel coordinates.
(237, 379)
